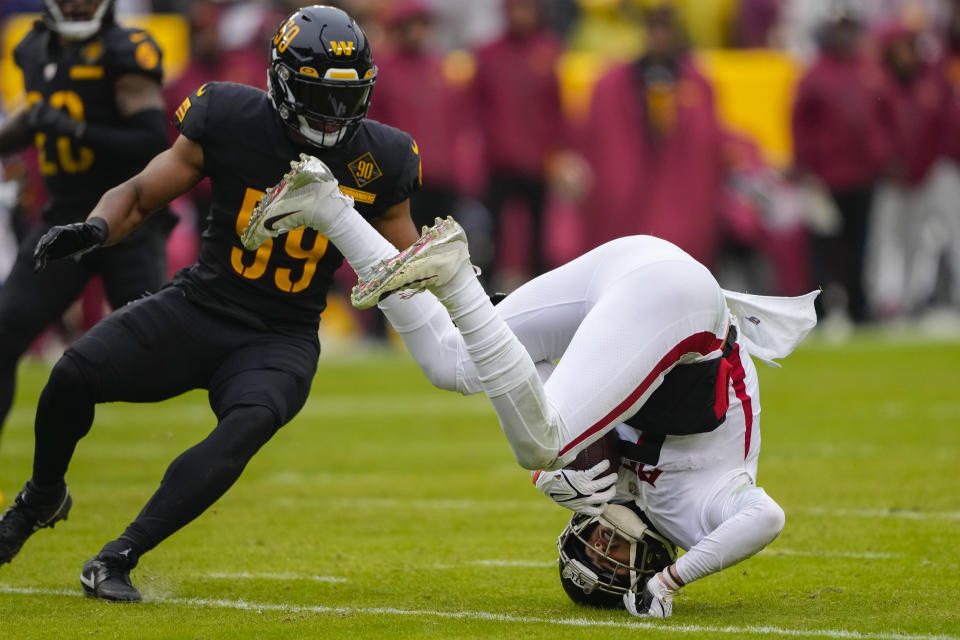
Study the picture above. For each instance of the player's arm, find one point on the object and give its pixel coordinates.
(123, 208)
(15, 134)
(167, 176)
(142, 132)
(397, 226)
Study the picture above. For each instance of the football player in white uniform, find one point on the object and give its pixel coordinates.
(645, 338)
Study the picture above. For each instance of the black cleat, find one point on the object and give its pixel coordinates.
(20, 521)
(107, 576)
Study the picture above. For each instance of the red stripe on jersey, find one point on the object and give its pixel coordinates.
(703, 343)
(740, 388)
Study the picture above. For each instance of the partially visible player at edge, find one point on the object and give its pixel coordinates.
(94, 109)
(644, 340)
(242, 324)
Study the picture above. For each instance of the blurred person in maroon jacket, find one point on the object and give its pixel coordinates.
(418, 93)
(756, 23)
(911, 219)
(762, 224)
(653, 142)
(949, 166)
(516, 97)
(841, 116)
(210, 61)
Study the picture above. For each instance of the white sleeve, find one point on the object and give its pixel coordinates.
(748, 520)
(432, 339)
(435, 343)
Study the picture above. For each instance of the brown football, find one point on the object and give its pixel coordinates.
(606, 448)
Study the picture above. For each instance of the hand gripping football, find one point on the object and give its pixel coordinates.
(606, 448)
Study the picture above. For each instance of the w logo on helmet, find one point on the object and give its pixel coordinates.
(341, 48)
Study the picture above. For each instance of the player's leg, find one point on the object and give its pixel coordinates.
(254, 392)
(147, 351)
(132, 268)
(649, 304)
(309, 195)
(29, 303)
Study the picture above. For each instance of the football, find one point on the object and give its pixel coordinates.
(606, 448)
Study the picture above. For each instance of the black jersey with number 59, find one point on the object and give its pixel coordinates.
(246, 150)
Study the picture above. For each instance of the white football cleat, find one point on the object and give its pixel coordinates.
(429, 262)
(656, 601)
(309, 195)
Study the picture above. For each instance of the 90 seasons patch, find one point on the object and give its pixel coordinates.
(365, 169)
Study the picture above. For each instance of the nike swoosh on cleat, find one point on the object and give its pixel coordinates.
(90, 582)
(268, 224)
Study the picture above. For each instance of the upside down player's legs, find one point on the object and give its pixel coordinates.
(638, 323)
(636, 331)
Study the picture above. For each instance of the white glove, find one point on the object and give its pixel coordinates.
(656, 601)
(580, 491)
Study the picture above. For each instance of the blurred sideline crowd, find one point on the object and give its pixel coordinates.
(866, 207)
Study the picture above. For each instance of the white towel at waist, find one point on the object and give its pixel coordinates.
(771, 326)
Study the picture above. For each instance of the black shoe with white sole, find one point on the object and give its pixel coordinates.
(107, 576)
(21, 520)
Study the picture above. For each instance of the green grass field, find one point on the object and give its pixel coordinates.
(389, 509)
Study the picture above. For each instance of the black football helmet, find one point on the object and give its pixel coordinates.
(588, 582)
(321, 74)
(77, 19)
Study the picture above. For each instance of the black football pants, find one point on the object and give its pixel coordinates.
(30, 302)
(157, 348)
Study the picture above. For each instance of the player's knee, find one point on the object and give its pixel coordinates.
(67, 380)
(770, 519)
(534, 457)
(440, 374)
(247, 428)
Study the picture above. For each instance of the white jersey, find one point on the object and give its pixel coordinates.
(691, 471)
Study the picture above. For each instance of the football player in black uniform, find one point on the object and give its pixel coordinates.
(241, 324)
(95, 111)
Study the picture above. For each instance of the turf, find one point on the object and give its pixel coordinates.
(388, 509)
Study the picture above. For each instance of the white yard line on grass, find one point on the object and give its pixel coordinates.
(663, 627)
(269, 576)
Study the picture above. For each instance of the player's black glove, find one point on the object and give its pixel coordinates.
(44, 118)
(70, 240)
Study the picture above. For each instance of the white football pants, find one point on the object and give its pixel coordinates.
(618, 318)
